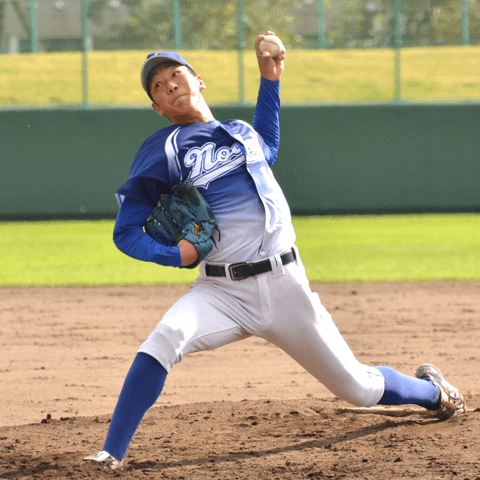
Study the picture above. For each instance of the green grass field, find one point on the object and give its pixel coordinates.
(334, 249)
(434, 73)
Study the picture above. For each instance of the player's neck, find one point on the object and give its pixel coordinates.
(202, 114)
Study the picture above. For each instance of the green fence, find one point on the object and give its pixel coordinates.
(89, 52)
(332, 159)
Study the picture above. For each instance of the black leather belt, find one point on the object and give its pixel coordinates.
(240, 271)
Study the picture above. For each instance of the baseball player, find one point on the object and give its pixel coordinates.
(253, 281)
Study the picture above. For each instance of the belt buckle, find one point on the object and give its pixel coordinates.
(233, 271)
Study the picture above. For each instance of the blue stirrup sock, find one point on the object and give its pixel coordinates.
(402, 389)
(143, 385)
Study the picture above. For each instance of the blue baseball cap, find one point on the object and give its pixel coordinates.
(155, 59)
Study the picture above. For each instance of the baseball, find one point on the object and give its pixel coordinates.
(271, 46)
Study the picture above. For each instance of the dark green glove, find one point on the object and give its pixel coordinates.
(184, 214)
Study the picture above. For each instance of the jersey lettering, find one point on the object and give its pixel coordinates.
(208, 163)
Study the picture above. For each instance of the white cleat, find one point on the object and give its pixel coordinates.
(106, 461)
(451, 400)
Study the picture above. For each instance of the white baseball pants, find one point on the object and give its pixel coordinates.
(277, 306)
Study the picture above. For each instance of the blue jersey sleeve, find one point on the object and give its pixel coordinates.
(266, 120)
(129, 236)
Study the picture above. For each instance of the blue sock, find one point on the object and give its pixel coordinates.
(143, 385)
(402, 389)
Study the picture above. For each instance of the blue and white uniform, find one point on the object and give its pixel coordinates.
(230, 164)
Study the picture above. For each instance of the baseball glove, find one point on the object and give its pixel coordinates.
(184, 214)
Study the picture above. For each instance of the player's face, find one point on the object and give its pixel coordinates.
(175, 91)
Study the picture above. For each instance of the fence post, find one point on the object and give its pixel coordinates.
(321, 25)
(33, 26)
(241, 46)
(397, 12)
(85, 51)
(177, 25)
(465, 27)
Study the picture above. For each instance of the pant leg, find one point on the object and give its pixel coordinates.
(203, 319)
(301, 326)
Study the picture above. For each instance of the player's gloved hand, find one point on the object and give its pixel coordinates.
(184, 214)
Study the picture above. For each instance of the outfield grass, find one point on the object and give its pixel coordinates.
(334, 249)
(433, 73)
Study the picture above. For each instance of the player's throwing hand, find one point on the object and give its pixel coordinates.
(270, 67)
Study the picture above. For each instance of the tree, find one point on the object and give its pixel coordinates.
(206, 24)
(2, 15)
(429, 22)
(370, 23)
(447, 21)
(213, 24)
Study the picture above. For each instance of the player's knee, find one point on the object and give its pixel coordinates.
(163, 349)
(362, 389)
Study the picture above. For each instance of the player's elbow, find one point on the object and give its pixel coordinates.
(121, 238)
(117, 236)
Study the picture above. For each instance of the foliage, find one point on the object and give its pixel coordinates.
(369, 23)
(209, 24)
(213, 24)
(447, 20)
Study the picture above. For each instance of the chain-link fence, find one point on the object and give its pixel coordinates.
(89, 52)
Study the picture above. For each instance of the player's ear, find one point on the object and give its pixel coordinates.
(201, 83)
(158, 109)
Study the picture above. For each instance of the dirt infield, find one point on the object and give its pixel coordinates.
(246, 411)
